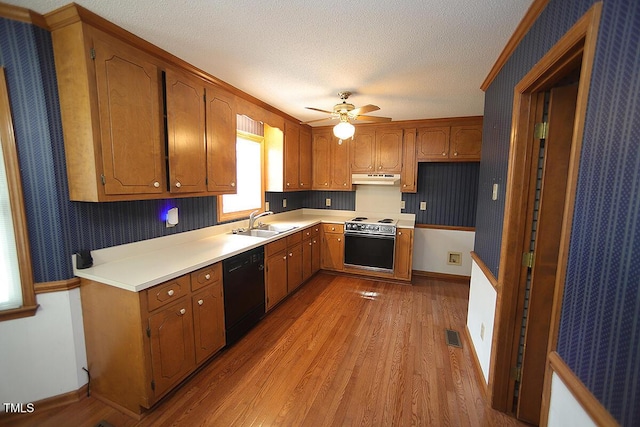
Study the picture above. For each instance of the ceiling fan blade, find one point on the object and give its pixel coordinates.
(317, 109)
(373, 119)
(317, 120)
(364, 109)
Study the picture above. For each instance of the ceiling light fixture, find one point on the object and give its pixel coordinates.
(344, 129)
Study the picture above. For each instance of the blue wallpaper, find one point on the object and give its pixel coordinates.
(451, 193)
(600, 322)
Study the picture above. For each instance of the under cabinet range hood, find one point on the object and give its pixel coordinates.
(375, 178)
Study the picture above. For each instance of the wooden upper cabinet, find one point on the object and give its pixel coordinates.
(409, 174)
(321, 143)
(187, 149)
(376, 151)
(340, 165)
(221, 140)
(461, 143)
(388, 150)
(291, 156)
(363, 151)
(433, 143)
(466, 143)
(305, 158)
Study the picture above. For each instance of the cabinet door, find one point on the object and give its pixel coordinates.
(315, 254)
(433, 144)
(333, 251)
(363, 151)
(276, 278)
(208, 321)
(389, 151)
(321, 143)
(307, 259)
(129, 105)
(466, 143)
(291, 156)
(409, 174)
(186, 133)
(340, 165)
(404, 253)
(294, 267)
(305, 159)
(172, 349)
(221, 141)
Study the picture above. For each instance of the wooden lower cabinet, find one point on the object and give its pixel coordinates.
(276, 276)
(142, 344)
(332, 247)
(403, 263)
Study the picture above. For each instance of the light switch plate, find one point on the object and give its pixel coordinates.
(327, 202)
(423, 206)
(266, 206)
(402, 204)
(284, 203)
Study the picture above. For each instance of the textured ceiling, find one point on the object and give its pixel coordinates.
(415, 59)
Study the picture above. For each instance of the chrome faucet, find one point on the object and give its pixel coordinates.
(253, 217)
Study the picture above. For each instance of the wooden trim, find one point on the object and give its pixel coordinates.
(442, 276)
(57, 286)
(444, 227)
(480, 376)
(72, 12)
(52, 402)
(16, 199)
(580, 392)
(409, 124)
(579, 40)
(522, 29)
(485, 270)
(22, 14)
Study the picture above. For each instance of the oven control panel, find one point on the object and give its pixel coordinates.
(366, 228)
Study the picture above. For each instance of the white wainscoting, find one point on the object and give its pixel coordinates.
(564, 409)
(481, 315)
(431, 247)
(43, 355)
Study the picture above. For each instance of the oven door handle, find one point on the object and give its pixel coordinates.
(372, 236)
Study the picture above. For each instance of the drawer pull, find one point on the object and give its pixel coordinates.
(233, 184)
(178, 185)
(339, 240)
(182, 311)
(170, 292)
(207, 276)
(200, 302)
(284, 257)
(156, 184)
(290, 254)
(310, 243)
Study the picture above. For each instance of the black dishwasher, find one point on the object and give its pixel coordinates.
(244, 299)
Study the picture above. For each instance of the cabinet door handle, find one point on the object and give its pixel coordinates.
(182, 311)
(170, 292)
(290, 254)
(444, 154)
(284, 257)
(288, 185)
(302, 184)
(233, 184)
(455, 154)
(310, 243)
(200, 302)
(178, 185)
(379, 167)
(156, 184)
(404, 185)
(326, 184)
(207, 276)
(399, 233)
(339, 240)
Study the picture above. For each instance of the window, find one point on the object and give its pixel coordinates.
(17, 297)
(249, 171)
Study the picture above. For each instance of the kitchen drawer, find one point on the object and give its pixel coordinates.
(206, 276)
(294, 238)
(333, 228)
(310, 232)
(272, 248)
(167, 292)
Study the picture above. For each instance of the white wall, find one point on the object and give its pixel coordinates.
(564, 409)
(43, 355)
(481, 313)
(431, 247)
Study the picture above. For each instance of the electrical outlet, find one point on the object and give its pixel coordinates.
(284, 203)
(423, 206)
(494, 192)
(482, 331)
(454, 258)
(327, 202)
(266, 206)
(402, 204)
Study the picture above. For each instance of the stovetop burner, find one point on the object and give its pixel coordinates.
(386, 221)
(360, 218)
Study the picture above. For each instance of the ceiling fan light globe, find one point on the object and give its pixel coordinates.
(344, 130)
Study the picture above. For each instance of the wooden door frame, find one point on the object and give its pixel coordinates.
(577, 46)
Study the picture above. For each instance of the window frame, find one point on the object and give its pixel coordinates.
(225, 217)
(18, 213)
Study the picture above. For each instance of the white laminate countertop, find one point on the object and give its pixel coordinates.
(141, 265)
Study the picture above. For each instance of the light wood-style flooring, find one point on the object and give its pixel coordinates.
(341, 351)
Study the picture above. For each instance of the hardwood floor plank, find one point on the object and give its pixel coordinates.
(340, 351)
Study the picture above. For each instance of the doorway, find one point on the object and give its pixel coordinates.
(540, 193)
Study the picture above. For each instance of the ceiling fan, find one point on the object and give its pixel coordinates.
(346, 112)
